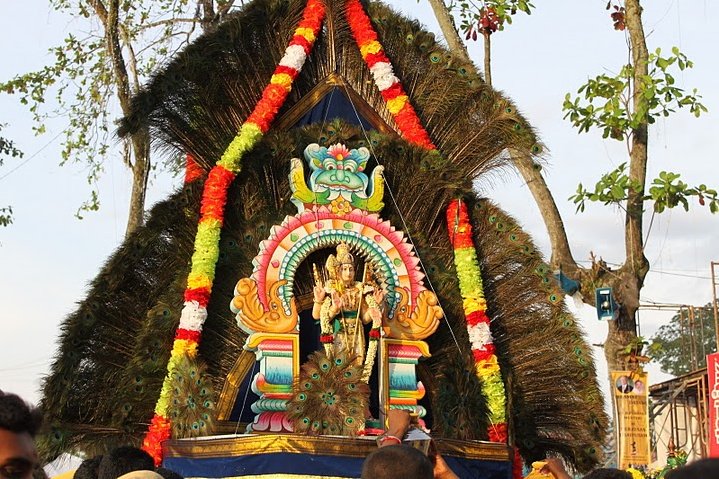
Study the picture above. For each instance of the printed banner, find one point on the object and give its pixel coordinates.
(713, 429)
(631, 403)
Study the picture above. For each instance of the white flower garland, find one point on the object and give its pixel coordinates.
(193, 316)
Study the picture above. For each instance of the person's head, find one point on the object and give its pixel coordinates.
(701, 469)
(18, 425)
(141, 474)
(88, 468)
(607, 473)
(168, 474)
(122, 460)
(623, 380)
(639, 384)
(397, 462)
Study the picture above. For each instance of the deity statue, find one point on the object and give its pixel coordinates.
(343, 306)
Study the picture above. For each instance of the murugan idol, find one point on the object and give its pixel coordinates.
(343, 306)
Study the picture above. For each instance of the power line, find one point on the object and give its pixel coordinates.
(658, 271)
(30, 157)
(679, 274)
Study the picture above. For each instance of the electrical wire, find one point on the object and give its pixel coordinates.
(402, 219)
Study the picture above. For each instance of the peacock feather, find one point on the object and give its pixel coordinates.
(329, 397)
(192, 404)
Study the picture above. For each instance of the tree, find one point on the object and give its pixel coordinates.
(7, 148)
(98, 70)
(682, 345)
(622, 107)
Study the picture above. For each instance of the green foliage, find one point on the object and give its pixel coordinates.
(612, 188)
(81, 84)
(487, 16)
(606, 102)
(636, 345)
(672, 344)
(7, 148)
(666, 191)
(6, 216)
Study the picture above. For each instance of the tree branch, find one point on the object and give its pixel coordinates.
(110, 20)
(487, 36)
(639, 149)
(169, 21)
(222, 11)
(446, 24)
(561, 252)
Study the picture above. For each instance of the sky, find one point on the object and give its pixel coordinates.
(48, 257)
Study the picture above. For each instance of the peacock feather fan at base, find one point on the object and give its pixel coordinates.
(113, 350)
(329, 396)
(191, 400)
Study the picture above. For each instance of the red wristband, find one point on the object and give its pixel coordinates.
(387, 437)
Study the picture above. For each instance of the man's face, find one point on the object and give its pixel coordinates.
(623, 380)
(18, 456)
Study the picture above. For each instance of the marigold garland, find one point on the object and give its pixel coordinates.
(214, 197)
(383, 74)
(480, 335)
(466, 263)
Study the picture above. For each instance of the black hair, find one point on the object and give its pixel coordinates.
(88, 468)
(701, 469)
(397, 462)
(168, 474)
(18, 416)
(122, 460)
(607, 473)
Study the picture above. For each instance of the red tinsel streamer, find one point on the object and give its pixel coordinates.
(476, 317)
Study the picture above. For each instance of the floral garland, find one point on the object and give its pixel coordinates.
(465, 255)
(327, 337)
(214, 197)
(374, 335)
(383, 74)
(397, 102)
(480, 335)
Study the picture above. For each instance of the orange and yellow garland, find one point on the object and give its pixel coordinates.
(475, 313)
(214, 197)
(465, 255)
(388, 84)
(468, 273)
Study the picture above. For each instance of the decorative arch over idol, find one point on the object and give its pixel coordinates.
(338, 210)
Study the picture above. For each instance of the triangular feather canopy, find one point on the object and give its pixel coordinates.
(114, 349)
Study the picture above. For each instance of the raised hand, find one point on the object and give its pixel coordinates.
(337, 303)
(378, 295)
(319, 293)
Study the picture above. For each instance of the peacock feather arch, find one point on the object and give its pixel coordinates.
(241, 102)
